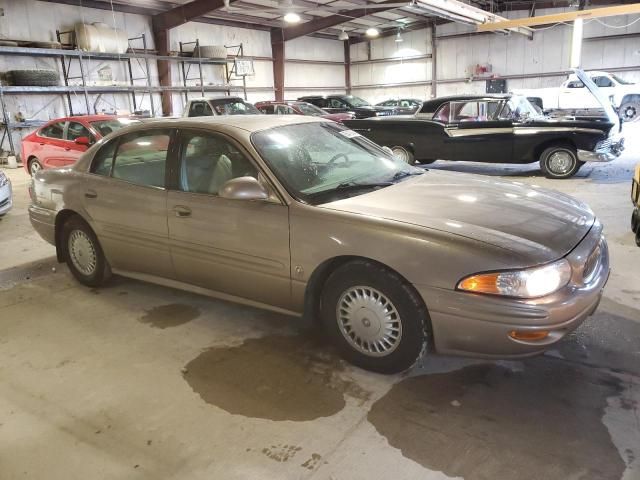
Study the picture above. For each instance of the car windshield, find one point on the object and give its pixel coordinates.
(105, 127)
(356, 101)
(233, 106)
(308, 109)
(519, 109)
(620, 80)
(321, 161)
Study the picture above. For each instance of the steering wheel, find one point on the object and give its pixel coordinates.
(337, 156)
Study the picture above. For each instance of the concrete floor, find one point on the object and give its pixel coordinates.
(136, 381)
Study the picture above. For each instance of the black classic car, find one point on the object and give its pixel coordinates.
(348, 103)
(496, 129)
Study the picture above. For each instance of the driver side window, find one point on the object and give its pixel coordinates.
(208, 161)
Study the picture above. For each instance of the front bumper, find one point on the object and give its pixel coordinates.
(6, 198)
(479, 325)
(605, 151)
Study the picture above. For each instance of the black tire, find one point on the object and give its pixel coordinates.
(35, 78)
(635, 220)
(407, 310)
(34, 166)
(549, 163)
(629, 111)
(638, 237)
(101, 272)
(403, 153)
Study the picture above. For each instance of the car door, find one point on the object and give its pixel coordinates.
(73, 150)
(126, 199)
(50, 149)
(237, 247)
(575, 96)
(476, 132)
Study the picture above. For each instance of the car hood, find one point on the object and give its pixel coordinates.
(535, 224)
(602, 99)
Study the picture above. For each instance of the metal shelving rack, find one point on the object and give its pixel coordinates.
(66, 56)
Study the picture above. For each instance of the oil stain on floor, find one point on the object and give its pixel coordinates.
(277, 377)
(488, 422)
(171, 315)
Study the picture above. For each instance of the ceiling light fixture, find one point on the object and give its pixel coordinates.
(372, 32)
(399, 37)
(344, 36)
(292, 17)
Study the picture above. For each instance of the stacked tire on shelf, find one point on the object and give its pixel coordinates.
(34, 78)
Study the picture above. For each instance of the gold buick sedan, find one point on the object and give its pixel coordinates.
(305, 217)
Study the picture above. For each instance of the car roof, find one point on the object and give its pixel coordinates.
(216, 97)
(86, 118)
(249, 123)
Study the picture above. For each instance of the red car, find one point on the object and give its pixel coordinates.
(294, 107)
(60, 142)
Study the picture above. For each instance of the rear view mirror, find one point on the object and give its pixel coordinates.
(244, 188)
(83, 141)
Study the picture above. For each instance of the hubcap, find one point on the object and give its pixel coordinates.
(82, 252)
(400, 154)
(560, 162)
(369, 321)
(35, 167)
(629, 113)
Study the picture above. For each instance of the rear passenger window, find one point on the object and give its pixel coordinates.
(200, 109)
(141, 158)
(55, 130)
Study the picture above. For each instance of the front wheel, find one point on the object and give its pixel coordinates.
(560, 162)
(84, 254)
(34, 166)
(374, 317)
(403, 154)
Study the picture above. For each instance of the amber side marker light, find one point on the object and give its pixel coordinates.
(529, 336)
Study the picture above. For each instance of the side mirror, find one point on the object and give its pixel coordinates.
(244, 188)
(83, 141)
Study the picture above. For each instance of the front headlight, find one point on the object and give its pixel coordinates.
(3, 179)
(527, 283)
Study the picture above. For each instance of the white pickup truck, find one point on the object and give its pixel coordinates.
(572, 95)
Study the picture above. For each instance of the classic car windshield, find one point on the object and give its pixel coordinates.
(308, 109)
(620, 80)
(322, 161)
(519, 109)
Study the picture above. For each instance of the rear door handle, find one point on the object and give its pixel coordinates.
(91, 194)
(182, 211)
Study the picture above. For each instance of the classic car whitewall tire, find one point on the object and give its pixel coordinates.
(374, 317)
(83, 253)
(404, 154)
(559, 161)
(34, 166)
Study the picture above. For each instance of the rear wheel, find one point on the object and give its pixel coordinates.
(84, 255)
(374, 317)
(404, 154)
(34, 166)
(629, 111)
(638, 237)
(559, 161)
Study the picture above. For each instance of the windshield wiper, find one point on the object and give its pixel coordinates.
(356, 186)
(400, 175)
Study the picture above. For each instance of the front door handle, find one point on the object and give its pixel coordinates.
(91, 194)
(67, 148)
(182, 211)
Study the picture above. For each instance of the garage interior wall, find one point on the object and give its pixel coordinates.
(24, 20)
(533, 61)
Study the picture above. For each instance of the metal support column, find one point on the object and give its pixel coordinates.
(434, 61)
(347, 66)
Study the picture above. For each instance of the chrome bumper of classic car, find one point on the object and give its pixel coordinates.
(605, 151)
(484, 325)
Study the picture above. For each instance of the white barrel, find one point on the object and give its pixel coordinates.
(99, 37)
